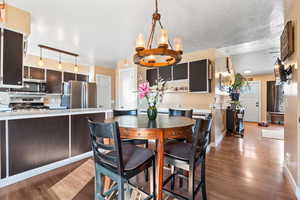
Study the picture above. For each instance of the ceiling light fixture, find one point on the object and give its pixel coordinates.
(59, 63)
(162, 55)
(41, 62)
(247, 72)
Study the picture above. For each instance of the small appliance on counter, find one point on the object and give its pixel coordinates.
(79, 94)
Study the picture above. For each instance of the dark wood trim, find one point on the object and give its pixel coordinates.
(58, 50)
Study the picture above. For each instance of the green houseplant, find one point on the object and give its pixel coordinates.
(235, 88)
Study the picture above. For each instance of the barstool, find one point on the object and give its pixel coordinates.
(118, 161)
(187, 156)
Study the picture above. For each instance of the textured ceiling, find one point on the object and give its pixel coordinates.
(260, 62)
(104, 31)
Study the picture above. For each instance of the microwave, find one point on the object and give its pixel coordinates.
(33, 86)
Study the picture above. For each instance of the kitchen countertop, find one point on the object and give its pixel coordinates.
(49, 113)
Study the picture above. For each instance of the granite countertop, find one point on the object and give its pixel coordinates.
(48, 113)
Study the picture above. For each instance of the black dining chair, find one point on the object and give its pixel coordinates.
(182, 113)
(187, 156)
(120, 162)
(132, 141)
(132, 113)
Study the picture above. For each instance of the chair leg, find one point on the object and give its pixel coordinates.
(146, 170)
(98, 184)
(173, 178)
(121, 189)
(152, 180)
(180, 178)
(192, 183)
(203, 187)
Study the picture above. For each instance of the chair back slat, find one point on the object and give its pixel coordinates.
(125, 112)
(201, 136)
(181, 113)
(107, 154)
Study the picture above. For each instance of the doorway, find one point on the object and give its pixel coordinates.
(127, 89)
(250, 100)
(103, 91)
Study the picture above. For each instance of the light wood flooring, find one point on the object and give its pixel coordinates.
(239, 169)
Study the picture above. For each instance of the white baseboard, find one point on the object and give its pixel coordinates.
(291, 181)
(216, 143)
(30, 173)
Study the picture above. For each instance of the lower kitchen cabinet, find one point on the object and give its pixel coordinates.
(37, 142)
(2, 150)
(80, 136)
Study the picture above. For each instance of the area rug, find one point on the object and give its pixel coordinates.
(273, 134)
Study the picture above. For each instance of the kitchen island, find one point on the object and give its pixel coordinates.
(34, 142)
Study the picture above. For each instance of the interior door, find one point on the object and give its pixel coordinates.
(127, 89)
(103, 91)
(250, 99)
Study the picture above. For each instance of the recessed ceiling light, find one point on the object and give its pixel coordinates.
(247, 72)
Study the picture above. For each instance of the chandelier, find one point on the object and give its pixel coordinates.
(164, 54)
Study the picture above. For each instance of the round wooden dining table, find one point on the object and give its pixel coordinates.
(164, 127)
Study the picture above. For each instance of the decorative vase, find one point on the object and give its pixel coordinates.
(152, 113)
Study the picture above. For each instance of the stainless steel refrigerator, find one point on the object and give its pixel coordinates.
(78, 94)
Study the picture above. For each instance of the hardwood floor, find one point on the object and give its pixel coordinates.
(239, 169)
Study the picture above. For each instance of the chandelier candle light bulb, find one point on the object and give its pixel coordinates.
(163, 39)
(178, 44)
(140, 42)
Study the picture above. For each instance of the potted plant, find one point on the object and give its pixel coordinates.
(153, 95)
(235, 88)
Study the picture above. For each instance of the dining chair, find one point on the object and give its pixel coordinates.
(187, 156)
(182, 113)
(132, 141)
(120, 162)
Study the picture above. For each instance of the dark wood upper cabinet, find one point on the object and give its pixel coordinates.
(26, 72)
(165, 73)
(199, 76)
(37, 73)
(69, 76)
(12, 58)
(151, 76)
(180, 71)
(54, 81)
(81, 77)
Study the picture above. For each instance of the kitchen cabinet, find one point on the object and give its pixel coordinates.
(69, 76)
(81, 139)
(199, 76)
(37, 73)
(152, 76)
(165, 73)
(54, 81)
(180, 71)
(82, 77)
(46, 141)
(12, 67)
(26, 72)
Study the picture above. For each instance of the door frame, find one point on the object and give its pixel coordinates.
(259, 99)
(102, 75)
